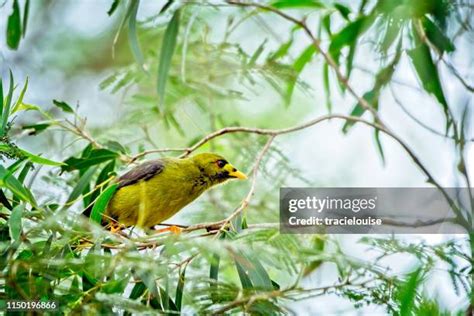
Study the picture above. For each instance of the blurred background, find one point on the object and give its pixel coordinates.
(225, 72)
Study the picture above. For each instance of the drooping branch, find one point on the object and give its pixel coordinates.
(276, 132)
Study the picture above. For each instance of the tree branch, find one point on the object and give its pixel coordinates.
(366, 105)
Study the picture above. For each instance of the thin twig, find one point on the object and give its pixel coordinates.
(275, 132)
(425, 126)
(154, 151)
(251, 192)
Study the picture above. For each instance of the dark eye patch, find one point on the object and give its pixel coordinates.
(221, 163)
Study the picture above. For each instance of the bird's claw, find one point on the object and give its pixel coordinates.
(115, 228)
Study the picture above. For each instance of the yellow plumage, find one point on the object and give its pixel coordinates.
(156, 190)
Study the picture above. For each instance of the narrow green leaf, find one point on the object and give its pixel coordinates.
(14, 27)
(87, 151)
(90, 158)
(166, 6)
(167, 50)
(164, 296)
(7, 105)
(250, 269)
(26, 12)
(257, 54)
(137, 290)
(427, 72)
(464, 128)
(282, 4)
(40, 160)
(349, 60)
(16, 107)
(244, 278)
(104, 175)
(47, 245)
(392, 29)
(122, 25)
(148, 279)
(24, 172)
(166, 302)
(30, 107)
(244, 224)
(4, 201)
(343, 10)
(327, 87)
(214, 271)
(14, 167)
(437, 37)
(1, 97)
(299, 64)
(14, 222)
(81, 184)
(358, 110)
(115, 146)
(113, 7)
(101, 203)
(326, 23)
(104, 84)
(175, 123)
(35, 129)
(8, 181)
(379, 145)
(281, 51)
(382, 78)
(74, 285)
(408, 293)
(179, 289)
(349, 35)
(116, 286)
(132, 34)
(304, 58)
(63, 106)
(88, 281)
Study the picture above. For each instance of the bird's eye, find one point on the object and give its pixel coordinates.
(221, 163)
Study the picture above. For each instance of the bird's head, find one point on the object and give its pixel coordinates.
(216, 168)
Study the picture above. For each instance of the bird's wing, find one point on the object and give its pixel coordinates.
(143, 172)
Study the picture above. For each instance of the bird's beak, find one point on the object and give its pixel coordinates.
(234, 173)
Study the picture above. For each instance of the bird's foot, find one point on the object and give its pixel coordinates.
(173, 229)
(116, 227)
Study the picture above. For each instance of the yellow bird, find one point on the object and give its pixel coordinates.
(156, 190)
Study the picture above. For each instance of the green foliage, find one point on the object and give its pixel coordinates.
(427, 71)
(90, 157)
(281, 4)
(50, 251)
(14, 223)
(14, 27)
(167, 50)
(63, 106)
(408, 293)
(101, 203)
(298, 66)
(132, 32)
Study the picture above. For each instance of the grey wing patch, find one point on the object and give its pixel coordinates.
(143, 172)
